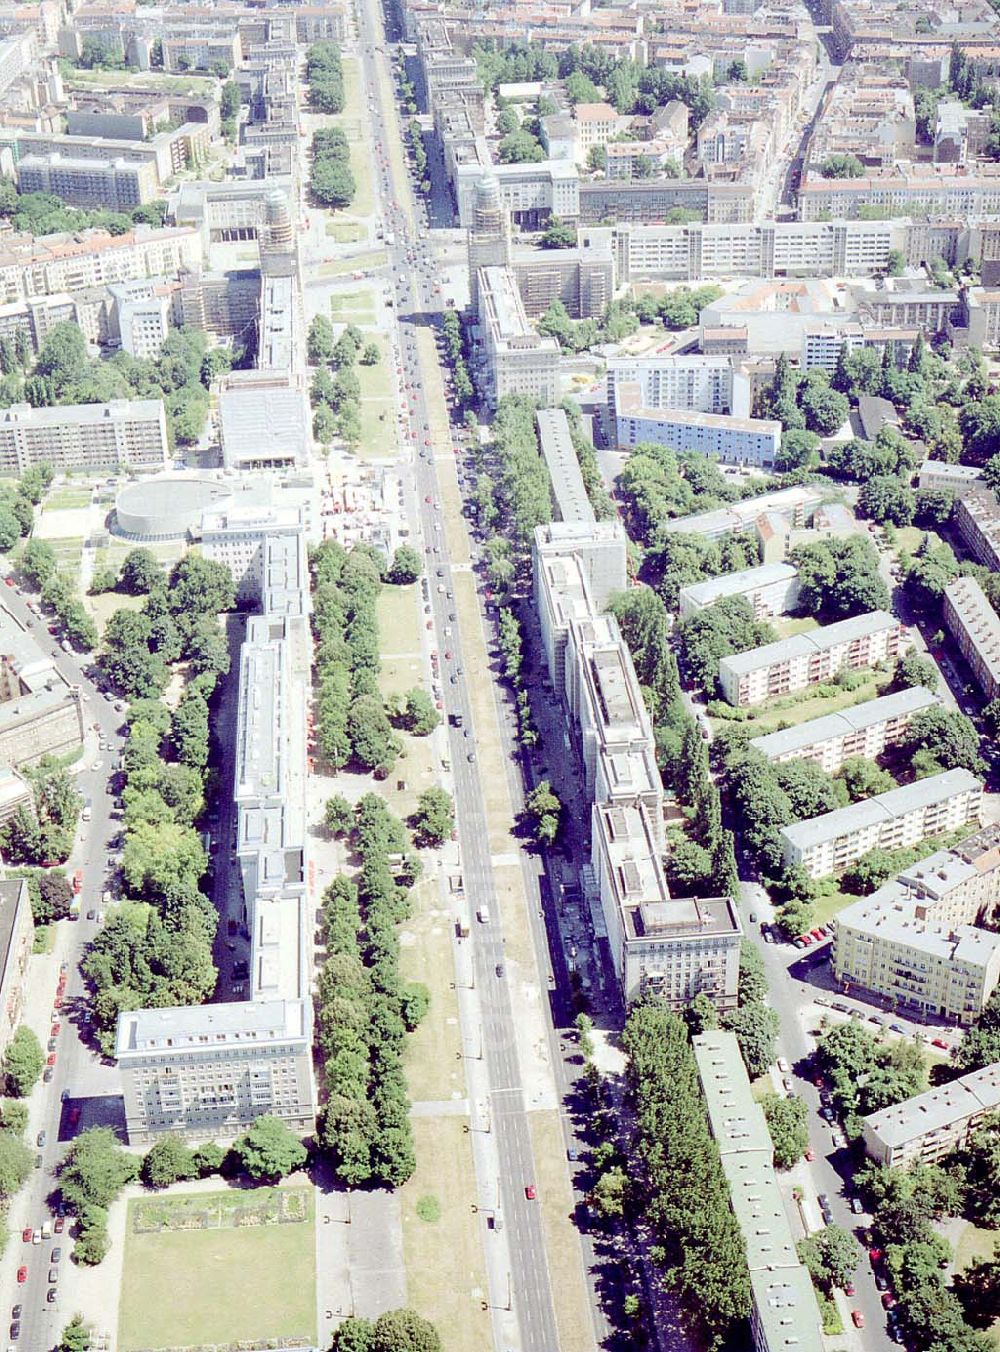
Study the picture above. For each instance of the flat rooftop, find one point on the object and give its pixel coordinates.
(198, 1028)
(788, 741)
(804, 645)
(735, 584)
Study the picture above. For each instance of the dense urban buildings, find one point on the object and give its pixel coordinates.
(40, 712)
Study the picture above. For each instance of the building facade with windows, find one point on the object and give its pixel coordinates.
(926, 1128)
(124, 434)
(771, 589)
(890, 821)
(516, 359)
(807, 659)
(864, 730)
(975, 627)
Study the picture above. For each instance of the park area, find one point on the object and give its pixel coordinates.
(219, 1268)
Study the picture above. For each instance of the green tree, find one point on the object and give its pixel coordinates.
(23, 1062)
(319, 341)
(406, 566)
(948, 737)
(353, 1335)
(95, 1169)
(338, 816)
(140, 572)
(863, 778)
(787, 1121)
(434, 819)
(886, 498)
(842, 166)
(756, 1029)
(558, 235)
(15, 1163)
(269, 1150)
(868, 873)
(915, 669)
(76, 1336)
(404, 1331)
(543, 813)
(831, 1255)
(168, 1161)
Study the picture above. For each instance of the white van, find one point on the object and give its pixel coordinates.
(483, 915)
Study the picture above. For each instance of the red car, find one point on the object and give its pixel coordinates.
(51, 1060)
(940, 1042)
(22, 1274)
(810, 1154)
(26, 1234)
(888, 1300)
(54, 1030)
(848, 1288)
(530, 1192)
(59, 1225)
(875, 1256)
(9, 581)
(858, 1319)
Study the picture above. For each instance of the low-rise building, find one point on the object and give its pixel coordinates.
(569, 495)
(828, 844)
(17, 932)
(795, 504)
(126, 434)
(931, 1125)
(733, 441)
(784, 1314)
(673, 949)
(864, 730)
(516, 359)
(975, 627)
(958, 479)
(771, 589)
(807, 659)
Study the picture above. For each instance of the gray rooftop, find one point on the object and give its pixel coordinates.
(923, 793)
(803, 645)
(559, 454)
(735, 584)
(788, 741)
(193, 1027)
(937, 1108)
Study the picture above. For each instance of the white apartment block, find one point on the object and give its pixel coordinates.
(210, 1070)
(696, 383)
(596, 124)
(975, 627)
(828, 844)
(931, 1125)
(783, 1313)
(530, 192)
(575, 568)
(124, 434)
(237, 537)
(765, 249)
(569, 494)
(673, 949)
(808, 659)
(116, 185)
(977, 520)
(516, 359)
(733, 441)
(912, 190)
(771, 589)
(864, 730)
(796, 505)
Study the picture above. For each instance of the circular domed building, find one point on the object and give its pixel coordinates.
(165, 508)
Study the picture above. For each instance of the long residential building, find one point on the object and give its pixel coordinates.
(661, 946)
(673, 947)
(117, 185)
(957, 479)
(569, 494)
(807, 659)
(784, 1315)
(733, 441)
(124, 434)
(977, 520)
(516, 359)
(771, 589)
(926, 1128)
(66, 263)
(210, 1070)
(975, 627)
(864, 730)
(904, 816)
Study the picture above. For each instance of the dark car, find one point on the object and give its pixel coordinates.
(40, 1140)
(499, 969)
(52, 1295)
(56, 1255)
(15, 1330)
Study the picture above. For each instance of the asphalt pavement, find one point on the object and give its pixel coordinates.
(416, 300)
(80, 1081)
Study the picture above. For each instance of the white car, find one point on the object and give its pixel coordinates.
(782, 1065)
(96, 766)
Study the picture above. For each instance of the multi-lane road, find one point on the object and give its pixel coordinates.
(417, 296)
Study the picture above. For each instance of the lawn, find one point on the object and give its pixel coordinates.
(345, 232)
(63, 498)
(909, 537)
(234, 1279)
(104, 606)
(791, 710)
(795, 624)
(356, 263)
(445, 1280)
(353, 307)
